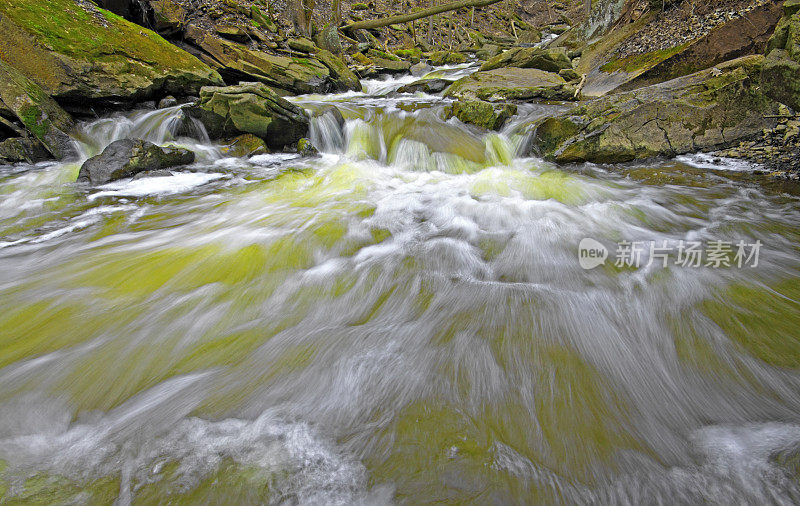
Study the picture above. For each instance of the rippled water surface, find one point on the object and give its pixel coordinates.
(400, 320)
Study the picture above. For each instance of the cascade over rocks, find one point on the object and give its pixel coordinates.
(251, 108)
(700, 112)
(128, 157)
(82, 55)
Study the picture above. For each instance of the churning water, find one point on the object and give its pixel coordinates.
(403, 319)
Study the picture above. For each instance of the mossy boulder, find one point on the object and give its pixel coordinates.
(302, 45)
(251, 108)
(128, 157)
(549, 60)
(77, 51)
(235, 61)
(446, 58)
(707, 110)
(482, 114)
(780, 77)
(426, 86)
(391, 66)
(40, 114)
(22, 149)
(344, 78)
(511, 83)
(245, 145)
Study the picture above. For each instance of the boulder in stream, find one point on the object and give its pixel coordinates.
(511, 83)
(549, 60)
(252, 108)
(426, 86)
(482, 114)
(128, 157)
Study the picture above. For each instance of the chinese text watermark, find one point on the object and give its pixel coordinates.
(713, 254)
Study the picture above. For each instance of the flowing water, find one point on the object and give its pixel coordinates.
(403, 319)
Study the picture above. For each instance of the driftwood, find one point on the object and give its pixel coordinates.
(424, 13)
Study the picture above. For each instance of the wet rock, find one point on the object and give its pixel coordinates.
(341, 73)
(306, 148)
(334, 112)
(439, 58)
(250, 108)
(22, 149)
(511, 83)
(420, 69)
(77, 52)
(391, 66)
(549, 60)
(128, 157)
(700, 112)
(167, 102)
(40, 114)
(482, 114)
(245, 145)
(426, 86)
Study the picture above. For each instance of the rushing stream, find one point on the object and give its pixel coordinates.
(403, 319)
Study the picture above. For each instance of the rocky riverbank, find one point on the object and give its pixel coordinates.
(731, 86)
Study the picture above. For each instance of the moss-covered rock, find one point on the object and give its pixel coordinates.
(76, 52)
(128, 157)
(549, 60)
(40, 114)
(22, 149)
(303, 45)
(446, 58)
(511, 84)
(245, 145)
(251, 108)
(703, 111)
(426, 86)
(234, 60)
(344, 78)
(482, 114)
(780, 78)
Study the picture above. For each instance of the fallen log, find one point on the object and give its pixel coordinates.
(424, 13)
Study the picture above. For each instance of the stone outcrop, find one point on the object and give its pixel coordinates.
(781, 74)
(250, 108)
(700, 112)
(511, 83)
(77, 52)
(128, 157)
(41, 116)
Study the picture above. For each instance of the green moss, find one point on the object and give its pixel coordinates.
(641, 61)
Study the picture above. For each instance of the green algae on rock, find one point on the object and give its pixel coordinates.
(40, 114)
(76, 51)
(251, 108)
(482, 114)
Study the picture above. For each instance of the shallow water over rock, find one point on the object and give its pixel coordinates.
(403, 319)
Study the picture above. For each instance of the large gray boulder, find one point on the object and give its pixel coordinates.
(128, 157)
(250, 108)
(707, 110)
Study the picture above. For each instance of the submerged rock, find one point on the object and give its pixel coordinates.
(511, 83)
(482, 114)
(251, 108)
(128, 157)
(76, 52)
(701, 112)
(40, 114)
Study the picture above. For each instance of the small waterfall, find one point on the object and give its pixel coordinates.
(326, 132)
(162, 126)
